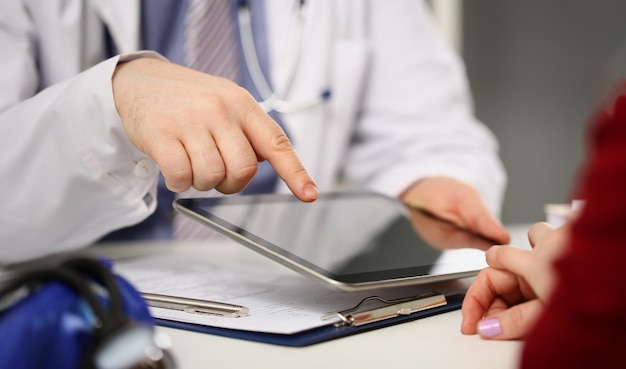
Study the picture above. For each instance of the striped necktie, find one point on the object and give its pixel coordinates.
(210, 40)
(211, 45)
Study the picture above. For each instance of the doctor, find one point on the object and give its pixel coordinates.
(84, 135)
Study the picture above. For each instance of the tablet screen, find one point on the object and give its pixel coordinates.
(349, 240)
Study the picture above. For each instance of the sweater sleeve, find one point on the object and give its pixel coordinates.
(584, 324)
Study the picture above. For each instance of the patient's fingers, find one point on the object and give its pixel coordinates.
(515, 260)
(538, 231)
(532, 266)
(492, 291)
(512, 323)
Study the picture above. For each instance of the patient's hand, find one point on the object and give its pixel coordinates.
(506, 298)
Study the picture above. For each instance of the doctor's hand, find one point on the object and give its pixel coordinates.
(202, 131)
(507, 298)
(456, 202)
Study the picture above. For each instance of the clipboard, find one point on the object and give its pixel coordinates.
(274, 306)
(347, 322)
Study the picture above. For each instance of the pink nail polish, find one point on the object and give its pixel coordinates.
(489, 327)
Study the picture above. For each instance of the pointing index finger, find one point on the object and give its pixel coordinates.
(272, 144)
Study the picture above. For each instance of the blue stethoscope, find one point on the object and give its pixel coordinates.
(274, 99)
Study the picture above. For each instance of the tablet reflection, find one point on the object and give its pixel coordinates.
(443, 235)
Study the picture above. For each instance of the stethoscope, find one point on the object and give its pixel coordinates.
(274, 99)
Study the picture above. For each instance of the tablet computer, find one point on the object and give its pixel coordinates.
(348, 240)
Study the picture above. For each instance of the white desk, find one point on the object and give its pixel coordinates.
(434, 342)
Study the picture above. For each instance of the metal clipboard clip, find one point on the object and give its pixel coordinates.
(390, 309)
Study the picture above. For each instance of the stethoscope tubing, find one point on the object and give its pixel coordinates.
(274, 99)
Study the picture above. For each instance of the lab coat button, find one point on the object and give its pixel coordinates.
(145, 168)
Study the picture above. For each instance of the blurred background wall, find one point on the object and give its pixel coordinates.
(537, 70)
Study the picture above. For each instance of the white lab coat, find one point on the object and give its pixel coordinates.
(400, 110)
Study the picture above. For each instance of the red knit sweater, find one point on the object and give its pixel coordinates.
(584, 324)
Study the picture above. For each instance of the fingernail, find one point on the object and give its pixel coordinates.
(311, 191)
(489, 327)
